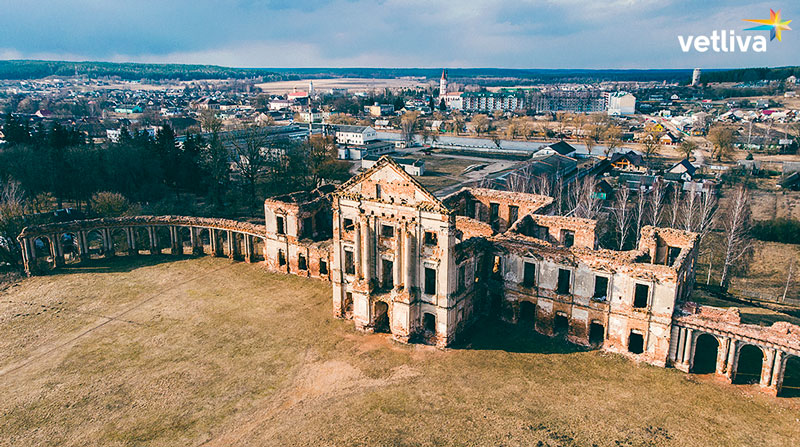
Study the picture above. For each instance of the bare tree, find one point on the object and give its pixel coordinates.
(656, 202)
(675, 206)
(587, 203)
(621, 215)
(251, 158)
(736, 226)
(641, 208)
(12, 209)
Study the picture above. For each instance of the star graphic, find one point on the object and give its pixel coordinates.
(774, 25)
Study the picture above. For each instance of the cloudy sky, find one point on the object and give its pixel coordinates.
(389, 33)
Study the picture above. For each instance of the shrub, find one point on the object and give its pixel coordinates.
(782, 229)
(112, 204)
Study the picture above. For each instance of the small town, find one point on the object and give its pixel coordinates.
(197, 254)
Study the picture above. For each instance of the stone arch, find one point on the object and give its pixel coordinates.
(41, 246)
(162, 236)
(95, 243)
(238, 244)
(185, 238)
(706, 350)
(380, 316)
(204, 239)
(597, 333)
(119, 241)
(429, 322)
(141, 238)
(749, 362)
(222, 242)
(791, 377)
(71, 247)
(258, 248)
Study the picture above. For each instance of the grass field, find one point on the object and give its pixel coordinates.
(205, 352)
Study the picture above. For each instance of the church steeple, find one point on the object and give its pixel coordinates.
(443, 84)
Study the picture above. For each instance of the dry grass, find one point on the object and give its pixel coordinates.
(204, 352)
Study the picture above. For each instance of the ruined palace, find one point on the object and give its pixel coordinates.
(424, 269)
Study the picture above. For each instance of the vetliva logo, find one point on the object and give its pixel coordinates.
(728, 42)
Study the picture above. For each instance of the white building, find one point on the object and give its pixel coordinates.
(621, 103)
(696, 77)
(357, 135)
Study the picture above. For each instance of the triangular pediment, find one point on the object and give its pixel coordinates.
(388, 182)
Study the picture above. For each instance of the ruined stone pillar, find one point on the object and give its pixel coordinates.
(26, 255)
(777, 372)
(248, 248)
(358, 262)
(722, 356)
(397, 265)
(55, 251)
(688, 348)
(231, 244)
(154, 248)
(674, 340)
(409, 261)
(83, 247)
(366, 248)
(177, 242)
(767, 367)
(729, 372)
(197, 241)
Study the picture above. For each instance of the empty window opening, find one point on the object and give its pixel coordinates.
(323, 267)
(640, 296)
(281, 224)
(529, 274)
(301, 262)
(381, 320)
(470, 208)
(560, 324)
(431, 238)
(349, 225)
(513, 214)
(673, 253)
(564, 277)
(600, 288)
(429, 322)
(388, 273)
(748, 368)
(308, 227)
(387, 231)
(527, 313)
(568, 238)
(494, 213)
(597, 334)
(462, 275)
(791, 378)
(430, 281)
(635, 343)
(281, 258)
(705, 354)
(349, 265)
(377, 191)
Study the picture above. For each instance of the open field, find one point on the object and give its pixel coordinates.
(205, 352)
(351, 84)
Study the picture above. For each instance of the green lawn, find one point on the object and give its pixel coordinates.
(205, 352)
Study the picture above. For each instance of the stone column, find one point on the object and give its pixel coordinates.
(26, 255)
(397, 265)
(55, 251)
(777, 372)
(83, 247)
(153, 235)
(132, 238)
(767, 367)
(248, 248)
(409, 264)
(688, 348)
(359, 263)
(177, 242)
(730, 371)
(366, 249)
(722, 356)
(197, 241)
(232, 251)
(674, 340)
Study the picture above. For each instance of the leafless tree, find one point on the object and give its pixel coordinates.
(736, 225)
(12, 209)
(656, 202)
(641, 209)
(621, 215)
(675, 206)
(587, 203)
(251, 157)
(409, 126)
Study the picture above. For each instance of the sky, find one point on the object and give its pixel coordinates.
(607, 34)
